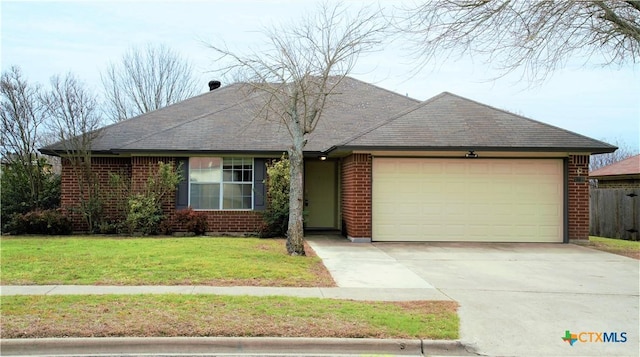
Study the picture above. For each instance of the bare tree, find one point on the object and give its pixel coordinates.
(22, 119)
(145, 80)
(297, 73)
(73, 118)
(601, 160)
(535, 36)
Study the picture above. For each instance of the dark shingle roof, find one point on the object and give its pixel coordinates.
(224, 120)
(357, 115)
(448, 121)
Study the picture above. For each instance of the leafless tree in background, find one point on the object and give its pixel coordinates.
(537, 37)
(74, 120)
(22, 120)
(145, 80)
(601, 160)
(297, 74)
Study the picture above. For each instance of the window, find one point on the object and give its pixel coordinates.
(220, 183)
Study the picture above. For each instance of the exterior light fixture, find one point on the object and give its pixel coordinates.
(471, 154)
(323, 157)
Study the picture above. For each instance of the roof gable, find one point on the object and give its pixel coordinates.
(357, 115)
(448, 121)
(225, 120)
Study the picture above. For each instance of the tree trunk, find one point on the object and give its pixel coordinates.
(295, 232)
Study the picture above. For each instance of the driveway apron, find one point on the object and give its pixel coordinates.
(515, 299)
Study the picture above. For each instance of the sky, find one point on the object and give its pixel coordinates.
(83, 37)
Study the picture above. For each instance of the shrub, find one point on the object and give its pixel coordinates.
(166, 227)
(144, 209)
(109, 227)
(276, 217)
(193, 221)
(27, 188)
(145, 215)
(51, 222)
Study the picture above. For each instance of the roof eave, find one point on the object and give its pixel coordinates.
(63, 152)
(585, 150)
(616, 177)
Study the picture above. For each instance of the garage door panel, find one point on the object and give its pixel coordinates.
(467, 200)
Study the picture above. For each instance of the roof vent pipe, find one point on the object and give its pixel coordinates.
(214, 85)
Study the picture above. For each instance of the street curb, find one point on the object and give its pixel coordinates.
(228, 345)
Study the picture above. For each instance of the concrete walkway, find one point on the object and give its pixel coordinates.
(515, 299)
(354, 293)
(361, 265)
(361, 271)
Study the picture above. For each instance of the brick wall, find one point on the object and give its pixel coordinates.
(356, 196)
(135, 171)
(622, 183)
(71, 193)
(235, 222)
(578, 209)
(141, 168)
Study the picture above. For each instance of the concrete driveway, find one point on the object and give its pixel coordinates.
(515, 299)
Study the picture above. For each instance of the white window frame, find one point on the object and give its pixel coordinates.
(222, 182)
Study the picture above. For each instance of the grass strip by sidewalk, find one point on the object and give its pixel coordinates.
(214, 315)
(627, 248)
(157, 261)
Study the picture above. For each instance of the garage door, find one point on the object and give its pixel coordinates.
(490, 200)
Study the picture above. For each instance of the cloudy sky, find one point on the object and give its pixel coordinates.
(47, 38)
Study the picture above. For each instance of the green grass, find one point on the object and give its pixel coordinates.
(617, 246)
(156, 261)
(212, 315)
(615, 243)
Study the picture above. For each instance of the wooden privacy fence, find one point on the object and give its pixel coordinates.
(615, 213)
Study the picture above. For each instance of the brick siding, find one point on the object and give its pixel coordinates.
(71, 192)
(135, 170)
(620, 183)
(233, 222)
(141, 168)
(356, 196)
(578, 210)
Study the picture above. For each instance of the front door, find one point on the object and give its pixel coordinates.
(320, 194)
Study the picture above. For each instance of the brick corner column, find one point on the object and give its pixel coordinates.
(578, 205)
(356, 197)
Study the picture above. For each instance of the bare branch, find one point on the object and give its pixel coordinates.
(624, 151)
(72, 113)
(147, 80)
(536, 37)
(21, 121)
(21, 115)
(293, 77)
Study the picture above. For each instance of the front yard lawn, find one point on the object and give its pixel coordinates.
(213, 315)
(616, 246)
(157, 261)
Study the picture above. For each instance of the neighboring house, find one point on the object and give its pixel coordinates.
(622, 174)
(380, 166)
(615, 201)
(52, 164)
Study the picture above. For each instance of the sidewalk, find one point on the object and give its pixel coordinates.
(371, 294)
(362, 272)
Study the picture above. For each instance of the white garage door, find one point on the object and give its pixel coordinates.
(490, 200)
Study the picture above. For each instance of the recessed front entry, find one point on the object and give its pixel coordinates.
(320, 194)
